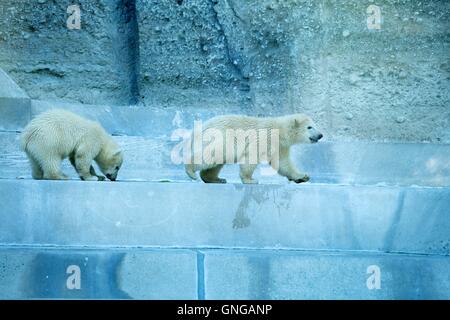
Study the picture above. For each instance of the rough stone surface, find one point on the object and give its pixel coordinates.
(92, 65)
(185, 56)
(313, 56)
(263, 57)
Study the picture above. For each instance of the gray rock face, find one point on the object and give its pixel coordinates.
(47, 59)
(359, 79)
(321, 57)
(186, 58)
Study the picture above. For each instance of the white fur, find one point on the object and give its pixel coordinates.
(58, 134)
(292, 129)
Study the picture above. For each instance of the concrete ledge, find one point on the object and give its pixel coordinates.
(15, 105)
(9, 88)
(149, 159)
(136, 120)
(308, 216)
(121, 120)
(136, 273)
(103, 274)
(296, 275)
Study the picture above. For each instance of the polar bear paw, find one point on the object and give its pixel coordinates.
(305, 178)
(90, 178)
(218, 180)
(249, 181)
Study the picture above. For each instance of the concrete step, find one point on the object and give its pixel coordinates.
(377, 208)
(147, 240)
(149, 159)
(124, 120)
(148, 136)
(80, 273)
(310, 216)
(15, 105)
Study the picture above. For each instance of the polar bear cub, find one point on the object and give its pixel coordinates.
(58, 134)
(233, 139)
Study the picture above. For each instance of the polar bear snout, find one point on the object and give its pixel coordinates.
(316, 138)
(314, 134)
(110, 163)
(111, 177)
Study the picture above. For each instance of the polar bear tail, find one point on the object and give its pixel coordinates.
(190, 171)
(26, 136)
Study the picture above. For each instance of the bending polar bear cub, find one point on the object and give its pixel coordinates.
(291, 129)
(57, 134)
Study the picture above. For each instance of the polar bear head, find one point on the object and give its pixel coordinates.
(110, 160)
(302, 129)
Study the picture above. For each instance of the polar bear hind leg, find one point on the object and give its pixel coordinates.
(51, 168)
(36, 171)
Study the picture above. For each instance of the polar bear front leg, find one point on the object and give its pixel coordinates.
(51, 168)
(211, 175)
(91, 169)
(83, 158)
(287, 169)
(83, 165)
(99, 176)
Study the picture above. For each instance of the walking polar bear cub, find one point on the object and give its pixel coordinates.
(57, 134)
(233, 139)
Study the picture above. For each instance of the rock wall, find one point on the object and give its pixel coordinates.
(329, 58)
(47, 59)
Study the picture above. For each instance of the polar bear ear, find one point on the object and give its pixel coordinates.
(298, 122)
(117, 152)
